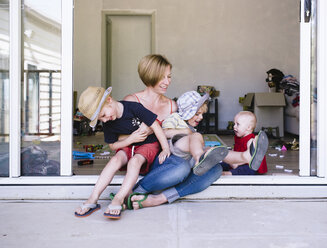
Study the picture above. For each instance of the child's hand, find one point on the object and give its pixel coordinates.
(163, 155)
(138, 136)
(145, 129)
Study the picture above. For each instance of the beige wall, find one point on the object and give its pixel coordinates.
(229, 44)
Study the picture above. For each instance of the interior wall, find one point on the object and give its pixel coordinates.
(229, 44)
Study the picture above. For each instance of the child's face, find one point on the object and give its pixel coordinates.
(108, 112)
(162, 86)
(242, 125)
(195, 120)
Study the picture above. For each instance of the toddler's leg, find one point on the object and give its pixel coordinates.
(133, 170)
(253, 156)
(182, 143)
(114, 164)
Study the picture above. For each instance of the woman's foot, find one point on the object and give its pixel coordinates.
(144, 201)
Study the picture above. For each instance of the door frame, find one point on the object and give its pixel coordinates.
(260, 184)
(104, 43)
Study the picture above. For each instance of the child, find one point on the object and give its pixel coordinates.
(136, 149)
(184, 141)
(244, 125)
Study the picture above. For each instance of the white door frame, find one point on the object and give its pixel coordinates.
(66, 121)
(321, 84)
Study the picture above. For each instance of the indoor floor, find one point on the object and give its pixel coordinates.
(279, 161)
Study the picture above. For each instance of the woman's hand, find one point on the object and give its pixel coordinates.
(163, 155)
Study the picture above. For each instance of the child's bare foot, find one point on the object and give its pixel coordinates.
(144, 200)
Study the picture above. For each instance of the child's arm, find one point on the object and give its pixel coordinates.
(162, 140)
(137, 136)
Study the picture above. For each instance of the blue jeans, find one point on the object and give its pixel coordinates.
(175, 177)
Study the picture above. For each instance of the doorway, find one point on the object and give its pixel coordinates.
(128, 38)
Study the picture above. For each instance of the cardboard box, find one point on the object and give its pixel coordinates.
(268, 108)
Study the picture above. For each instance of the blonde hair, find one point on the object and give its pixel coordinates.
(203, 108)
(152, 69)
(251, 118)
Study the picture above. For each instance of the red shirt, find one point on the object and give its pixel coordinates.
(240, 146)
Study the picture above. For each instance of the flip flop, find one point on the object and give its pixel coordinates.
(209, 159)
(130, 203)
(111, 196)
(114, 216)
(258, 150)
(92, 208)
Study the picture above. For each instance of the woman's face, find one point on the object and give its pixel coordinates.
(162, 86)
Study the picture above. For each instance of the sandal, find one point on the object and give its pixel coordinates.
(139, 202)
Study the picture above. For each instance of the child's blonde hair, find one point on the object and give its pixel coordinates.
(152, 69)
(204, 108)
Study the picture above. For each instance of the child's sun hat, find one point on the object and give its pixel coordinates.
(91, 101)
(189, 103)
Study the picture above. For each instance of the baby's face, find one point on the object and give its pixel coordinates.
(195, 120)
(241, 125)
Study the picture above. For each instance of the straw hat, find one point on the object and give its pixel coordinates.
(189, 103)
(91, 101)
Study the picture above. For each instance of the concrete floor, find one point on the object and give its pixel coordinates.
(223, 223)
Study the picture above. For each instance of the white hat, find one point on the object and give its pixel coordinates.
(189, 103)
(91, 101)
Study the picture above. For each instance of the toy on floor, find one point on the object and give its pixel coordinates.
(83, 155)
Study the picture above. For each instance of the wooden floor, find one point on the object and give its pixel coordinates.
(279, 162)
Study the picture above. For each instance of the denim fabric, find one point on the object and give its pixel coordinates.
(173, 171)
(240, 170)
(176, 178)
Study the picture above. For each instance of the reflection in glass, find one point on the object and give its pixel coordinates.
(41, 87)
(4, 88)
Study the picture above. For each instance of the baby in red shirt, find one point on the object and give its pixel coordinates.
(244, 125)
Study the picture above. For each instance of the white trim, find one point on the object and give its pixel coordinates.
(219, 191)
(321, 84)
(117, 180)
(305, 69)
(15, 88)
(66, 88)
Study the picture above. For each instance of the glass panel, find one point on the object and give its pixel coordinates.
(4, 88)
(41, 87)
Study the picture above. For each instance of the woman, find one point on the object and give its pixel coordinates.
(155, 72)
